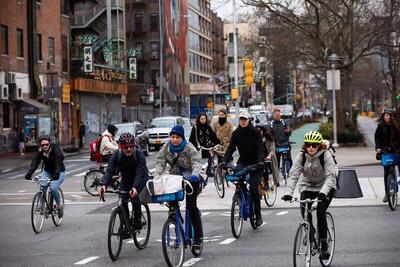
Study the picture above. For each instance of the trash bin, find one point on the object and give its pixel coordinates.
(348, 185)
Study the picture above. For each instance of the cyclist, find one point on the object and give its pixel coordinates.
(386, 138)
(53, 161)
(184, 160)
(223, 129)
(317, 181)
(131, 163)
(280, 133)
(108, 144)
(248, 141)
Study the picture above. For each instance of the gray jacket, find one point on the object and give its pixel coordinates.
(315, 177)
(277, 131)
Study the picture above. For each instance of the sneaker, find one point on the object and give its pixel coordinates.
(60, 212)
(125, 234)
(259, 220)
(197, 244)
(385, 199)
(137, 225)
(324, 251)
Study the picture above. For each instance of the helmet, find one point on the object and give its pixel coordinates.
(313, 137)
(112, 129)
(126, 139)
(44, 137)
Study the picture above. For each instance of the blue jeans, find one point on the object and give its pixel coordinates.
(54, 185)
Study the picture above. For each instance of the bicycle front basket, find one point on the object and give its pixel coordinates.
(390, 159)
(178, 196)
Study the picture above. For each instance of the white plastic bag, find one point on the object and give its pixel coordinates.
(166, 184)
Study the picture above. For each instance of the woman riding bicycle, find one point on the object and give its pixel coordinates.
(53, 160)
(318, 181)
(184, 160)
(387, 137)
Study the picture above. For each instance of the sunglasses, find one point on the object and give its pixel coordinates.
(43, 145)
(311, 144)
(127, 147)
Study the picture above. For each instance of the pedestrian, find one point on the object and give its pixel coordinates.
(82, 133)
(108, 144)
(223, 129)
(21, 142)
(387, 140)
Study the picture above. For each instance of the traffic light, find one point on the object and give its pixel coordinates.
(397, 97)
(234, 93)
(248, 72)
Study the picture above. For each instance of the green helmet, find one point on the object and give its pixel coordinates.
(313, 137)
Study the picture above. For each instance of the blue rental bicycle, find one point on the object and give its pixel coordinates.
(285, 163)
(242, 205)
(392, 187)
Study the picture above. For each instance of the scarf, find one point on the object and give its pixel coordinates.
(177, 149)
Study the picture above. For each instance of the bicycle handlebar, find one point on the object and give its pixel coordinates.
(210, 148)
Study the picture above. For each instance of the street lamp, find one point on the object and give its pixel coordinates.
(333, 59)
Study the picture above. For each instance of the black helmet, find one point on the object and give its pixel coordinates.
(44, 137)
(126, 139)
(112, 129)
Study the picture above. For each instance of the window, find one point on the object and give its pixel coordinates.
(154, 76)
(6, 115)
(20, 43)
(51, 57)
(154, 22)
(140, 47)
(231, 37)
(4, 39)
(154, 50)
(138, 22)
(64, 51)
(39, 47)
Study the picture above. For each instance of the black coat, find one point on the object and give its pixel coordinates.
(276, 129)
(54, 164)
(205, 138)
(249, 142)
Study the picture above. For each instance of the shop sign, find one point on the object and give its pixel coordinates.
(132, 68)
(87, 59)
(66, 93)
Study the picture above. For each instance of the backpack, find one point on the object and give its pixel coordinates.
(94, 147)
(321, 160)
(281, 121)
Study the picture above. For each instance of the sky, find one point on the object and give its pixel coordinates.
(224, 8)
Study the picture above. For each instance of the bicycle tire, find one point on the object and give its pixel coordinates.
(392, 194)
(141, 237)
(236, 219)
(270, 195)
(54, 215)
(115, 227)
(219, 182)
(302, 247)
(92, 181)
(168, 239)
(330, 239)
(285, 173)
(37, 212)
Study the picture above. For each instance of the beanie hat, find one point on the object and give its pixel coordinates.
(178, 130)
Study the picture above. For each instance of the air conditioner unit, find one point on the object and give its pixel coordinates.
(10, 78)
(4, 92)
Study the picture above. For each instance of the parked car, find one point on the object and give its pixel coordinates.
(139, 131)
(307, 114)
(161, 126)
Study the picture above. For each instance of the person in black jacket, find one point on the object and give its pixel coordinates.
(131, 163)
(386, 136)
(248, 141)
(54, 168)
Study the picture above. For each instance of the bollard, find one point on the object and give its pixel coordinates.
(348, 185)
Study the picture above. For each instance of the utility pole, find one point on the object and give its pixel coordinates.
(235, 59)
(161, 57)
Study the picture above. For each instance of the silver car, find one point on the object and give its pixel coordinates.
(139, 131)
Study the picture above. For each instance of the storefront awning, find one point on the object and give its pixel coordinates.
(29, 105)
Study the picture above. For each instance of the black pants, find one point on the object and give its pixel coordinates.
(135, 206)
(194, 212)
(385, 176)
(80, 142)
(321, 211)
(255, 180)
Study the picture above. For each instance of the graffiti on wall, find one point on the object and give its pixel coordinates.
(92, 122)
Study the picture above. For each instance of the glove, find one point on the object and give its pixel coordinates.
(28, 177)
(322, 196)
(287, 198)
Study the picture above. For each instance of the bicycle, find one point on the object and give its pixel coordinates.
(242, 205)
(120, 222)
(43, 204)
(267, 188)
(217, 173)
(305, 243)
(177, 233)
(285, 164)
(92, 180)
(390, 160)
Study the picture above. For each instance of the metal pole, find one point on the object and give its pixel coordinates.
(335, 143)
(109, 27)
(161, 74)
(235, 59)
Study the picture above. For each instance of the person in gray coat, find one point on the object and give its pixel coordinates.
(317, 181)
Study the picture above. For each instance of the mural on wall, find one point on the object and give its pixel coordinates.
(92, 122)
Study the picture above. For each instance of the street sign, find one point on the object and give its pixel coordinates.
(87, 59)
(329, 82)
(132, 68)
(66, 93)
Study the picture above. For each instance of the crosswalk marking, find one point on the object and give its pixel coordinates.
(205, 213)
(281, 213)
(84, 261)
(80, 174)
(191, 262)
(7, 170)
(75, 170)
(227, 241)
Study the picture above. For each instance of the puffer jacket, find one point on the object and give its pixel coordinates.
(108, 144)
(316, 178)
(188, 163)
(53, 163)
(223, 132)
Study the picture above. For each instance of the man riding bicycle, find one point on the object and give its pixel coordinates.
(317, 181)
(53, 161)
(131, 163)
(248, 141)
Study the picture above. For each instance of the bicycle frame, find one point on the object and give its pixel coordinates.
(45, 189)
(175, 212)
(247, 206)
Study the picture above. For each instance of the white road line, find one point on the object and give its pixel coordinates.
(21, 191)
(191, 262)
(84, 261)
(81, 168)
(131, 241)
(227, 241)
(21, 175)
(216, 236)
(76, 160)
(223, 214)
(80, 174)
(205, 213)
(7, 170)
(76, 196)
(72, 203)
(158, 240)
(32, 193)
(281, 213)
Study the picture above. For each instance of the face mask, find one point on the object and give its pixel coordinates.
(221, 120)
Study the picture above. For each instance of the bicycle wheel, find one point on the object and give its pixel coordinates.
(392, 194)
(174, 251)
(270, 195)
(284, 170)
(92, 182)
(54, 215)
(330, 239)
(141, 237)
(219, 182)
(302, 248)
(114, 236)
(37, 212)
(236, 218)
